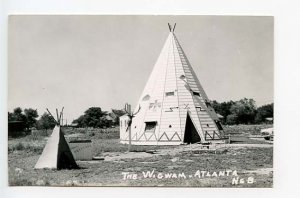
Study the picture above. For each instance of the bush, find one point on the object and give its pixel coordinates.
(231, 119)
(19, 146)
(45, 122)
(39, 134)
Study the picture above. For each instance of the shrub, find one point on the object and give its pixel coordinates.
(19, 146)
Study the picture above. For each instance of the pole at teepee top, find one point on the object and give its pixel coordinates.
(57, 117)
(61, 119)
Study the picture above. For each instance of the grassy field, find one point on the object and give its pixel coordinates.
(254, 162)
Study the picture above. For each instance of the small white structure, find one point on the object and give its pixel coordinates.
(268, 131)
(173, 108)
(81, 149)
(124, 128)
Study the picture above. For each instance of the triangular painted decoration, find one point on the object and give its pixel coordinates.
(171, 91)
(164, 137)
(175, 137)
(134, 137)
(143, 137)
(127, 137)
(152, 137)
(148, 135)
(57, 153)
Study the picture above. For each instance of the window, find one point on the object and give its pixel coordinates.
(170, 93)
(182, 77)
(196, 93)
(150, 127)
(146, 98)
(200, 108)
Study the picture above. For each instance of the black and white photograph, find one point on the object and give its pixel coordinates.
(140, 101)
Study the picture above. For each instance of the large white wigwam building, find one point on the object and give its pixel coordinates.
(173, 108)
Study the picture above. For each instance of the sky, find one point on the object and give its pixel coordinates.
(77, 62)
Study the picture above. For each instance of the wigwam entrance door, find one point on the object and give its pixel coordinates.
(190, 134)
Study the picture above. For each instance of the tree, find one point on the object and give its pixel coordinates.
(232, 119)
(46, 122)
(264, 112)
(93, 117)
(244, 111)
(223, 109)
(20, 122)
(31, 116)
(118, 114)
(80, 121)
(10, 117)
(103, 122)
(17, 115)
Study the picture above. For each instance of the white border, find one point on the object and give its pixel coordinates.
(287, 83)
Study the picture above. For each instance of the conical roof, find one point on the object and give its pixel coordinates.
(173, 92)
(57, 153)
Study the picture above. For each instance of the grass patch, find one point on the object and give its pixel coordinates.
(28, 147)
(24, 153)
(18, 147)
(109, 173)
(95, 133)
(114, 145)
(38, 135)
(245, 129)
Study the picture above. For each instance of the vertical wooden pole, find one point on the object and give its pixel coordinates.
(130, 117)
(128, 110)
(61, 119)
(129, 145)
(57, 117)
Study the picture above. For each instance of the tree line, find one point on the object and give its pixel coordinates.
(92, 117)
(243, 111)
(29, 119)
(96, 118)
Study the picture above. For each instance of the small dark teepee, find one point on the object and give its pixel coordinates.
(57, 153)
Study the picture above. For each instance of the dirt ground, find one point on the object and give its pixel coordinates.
(244, 163)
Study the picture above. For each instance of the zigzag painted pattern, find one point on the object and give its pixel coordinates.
(169, 139)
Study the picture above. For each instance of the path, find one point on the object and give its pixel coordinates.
(115, 156)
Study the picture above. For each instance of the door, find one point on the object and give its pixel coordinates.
(190, 134)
